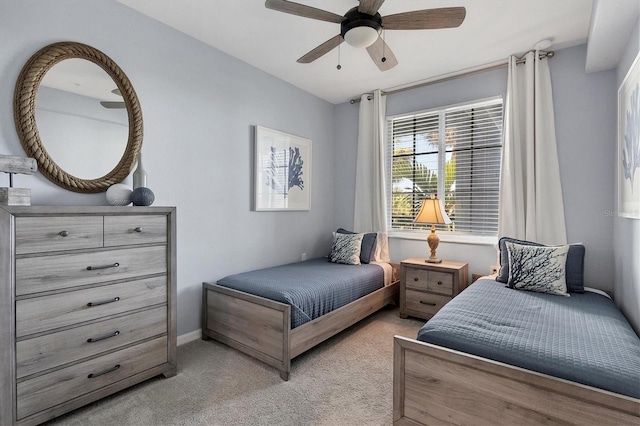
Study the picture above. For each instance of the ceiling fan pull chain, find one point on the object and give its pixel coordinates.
(339, 67)
(384, 44)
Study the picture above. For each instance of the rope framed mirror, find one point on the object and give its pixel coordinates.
(27, 87)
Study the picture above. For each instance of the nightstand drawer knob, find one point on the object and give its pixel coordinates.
(63, 233)
(427, 303)
(439, 282)
(415, 279)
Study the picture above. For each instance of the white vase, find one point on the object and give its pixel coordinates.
(140, 175)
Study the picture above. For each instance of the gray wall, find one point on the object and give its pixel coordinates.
(585, 117)
(627, 231)
(199, 106)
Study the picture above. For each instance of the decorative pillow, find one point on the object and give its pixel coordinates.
(346, 248)
(368, 248)
(574, 267)
(538, 268)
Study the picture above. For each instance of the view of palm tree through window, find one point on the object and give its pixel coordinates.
(453, 153)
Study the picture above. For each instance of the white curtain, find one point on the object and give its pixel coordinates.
(531, 204)
(370, 213)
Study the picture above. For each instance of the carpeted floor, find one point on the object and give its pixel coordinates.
(346, 380)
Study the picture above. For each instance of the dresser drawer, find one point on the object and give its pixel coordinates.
(55, 233)
(51, 350)
(45, 313)
(424, 303)
(54, 388)
(440, 282)
(127, 230)
(46, 273)
(417, 278)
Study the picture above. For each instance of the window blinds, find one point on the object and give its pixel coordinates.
(453, 152)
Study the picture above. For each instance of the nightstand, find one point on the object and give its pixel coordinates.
(427, 287)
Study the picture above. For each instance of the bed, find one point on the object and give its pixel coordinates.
(275, 314)
(496, 355)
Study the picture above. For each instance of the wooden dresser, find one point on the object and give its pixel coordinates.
(427, 287)
(87, 305)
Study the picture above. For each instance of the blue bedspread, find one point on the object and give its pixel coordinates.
(312, 288)
(583, 338)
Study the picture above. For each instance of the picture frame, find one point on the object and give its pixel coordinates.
(282, 171)
(628, 156)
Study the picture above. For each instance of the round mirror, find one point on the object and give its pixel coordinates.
(82, 119)
(77, 114)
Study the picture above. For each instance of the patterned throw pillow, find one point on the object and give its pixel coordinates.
(538, 268)
(346, 248)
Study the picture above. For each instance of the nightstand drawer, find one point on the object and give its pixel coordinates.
(425, 303)
(417, 278)
(440, 282)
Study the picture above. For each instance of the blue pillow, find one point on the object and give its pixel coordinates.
(368, 248)
(574, 266)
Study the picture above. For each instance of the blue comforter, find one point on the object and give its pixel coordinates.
(583, 338)
(312, 288)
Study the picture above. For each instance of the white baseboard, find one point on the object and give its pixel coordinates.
(189, 337)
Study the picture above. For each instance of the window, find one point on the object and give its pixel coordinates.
(453, 152)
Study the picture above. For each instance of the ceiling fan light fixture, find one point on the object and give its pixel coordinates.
(360, 29)
(361, 36)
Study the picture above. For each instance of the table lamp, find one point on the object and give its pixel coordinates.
(432, 211)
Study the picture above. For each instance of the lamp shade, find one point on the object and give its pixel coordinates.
(432, 211)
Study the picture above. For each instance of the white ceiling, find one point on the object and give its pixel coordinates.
(273, 41)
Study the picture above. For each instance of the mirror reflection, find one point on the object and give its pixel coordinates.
(81, 118)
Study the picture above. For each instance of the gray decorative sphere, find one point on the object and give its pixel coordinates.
(142, 196)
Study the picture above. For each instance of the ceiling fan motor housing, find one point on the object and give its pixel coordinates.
(355, 19)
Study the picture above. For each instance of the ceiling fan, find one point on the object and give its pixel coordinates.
(361, 26)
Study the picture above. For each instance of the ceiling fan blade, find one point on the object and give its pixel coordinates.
(379, 51)
(446, 17)
(302, 10)
(325, 47)
(369, 7)
(113, 105)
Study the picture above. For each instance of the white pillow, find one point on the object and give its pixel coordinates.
(538, 268)
(346, 248)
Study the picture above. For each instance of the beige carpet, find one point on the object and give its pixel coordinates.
(346, 380)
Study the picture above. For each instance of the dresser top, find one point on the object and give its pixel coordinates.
(85, 210)
(421, 261)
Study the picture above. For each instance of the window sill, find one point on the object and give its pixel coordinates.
(446, 237)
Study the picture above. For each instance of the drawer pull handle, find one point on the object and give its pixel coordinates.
(427, 303)
(94, 375)
(439, 282)
(63, 233)
(93, 268)
(138, 229)
(106, 336)
(415, 279)
(103, 302)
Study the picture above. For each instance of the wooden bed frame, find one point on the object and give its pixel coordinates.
(436, 385)
(262, 327)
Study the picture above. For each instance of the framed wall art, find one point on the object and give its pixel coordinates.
(282, 171)
(628, 159)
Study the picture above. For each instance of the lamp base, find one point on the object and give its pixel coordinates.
(436, 260)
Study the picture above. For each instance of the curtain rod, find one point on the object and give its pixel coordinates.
(453, 76)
